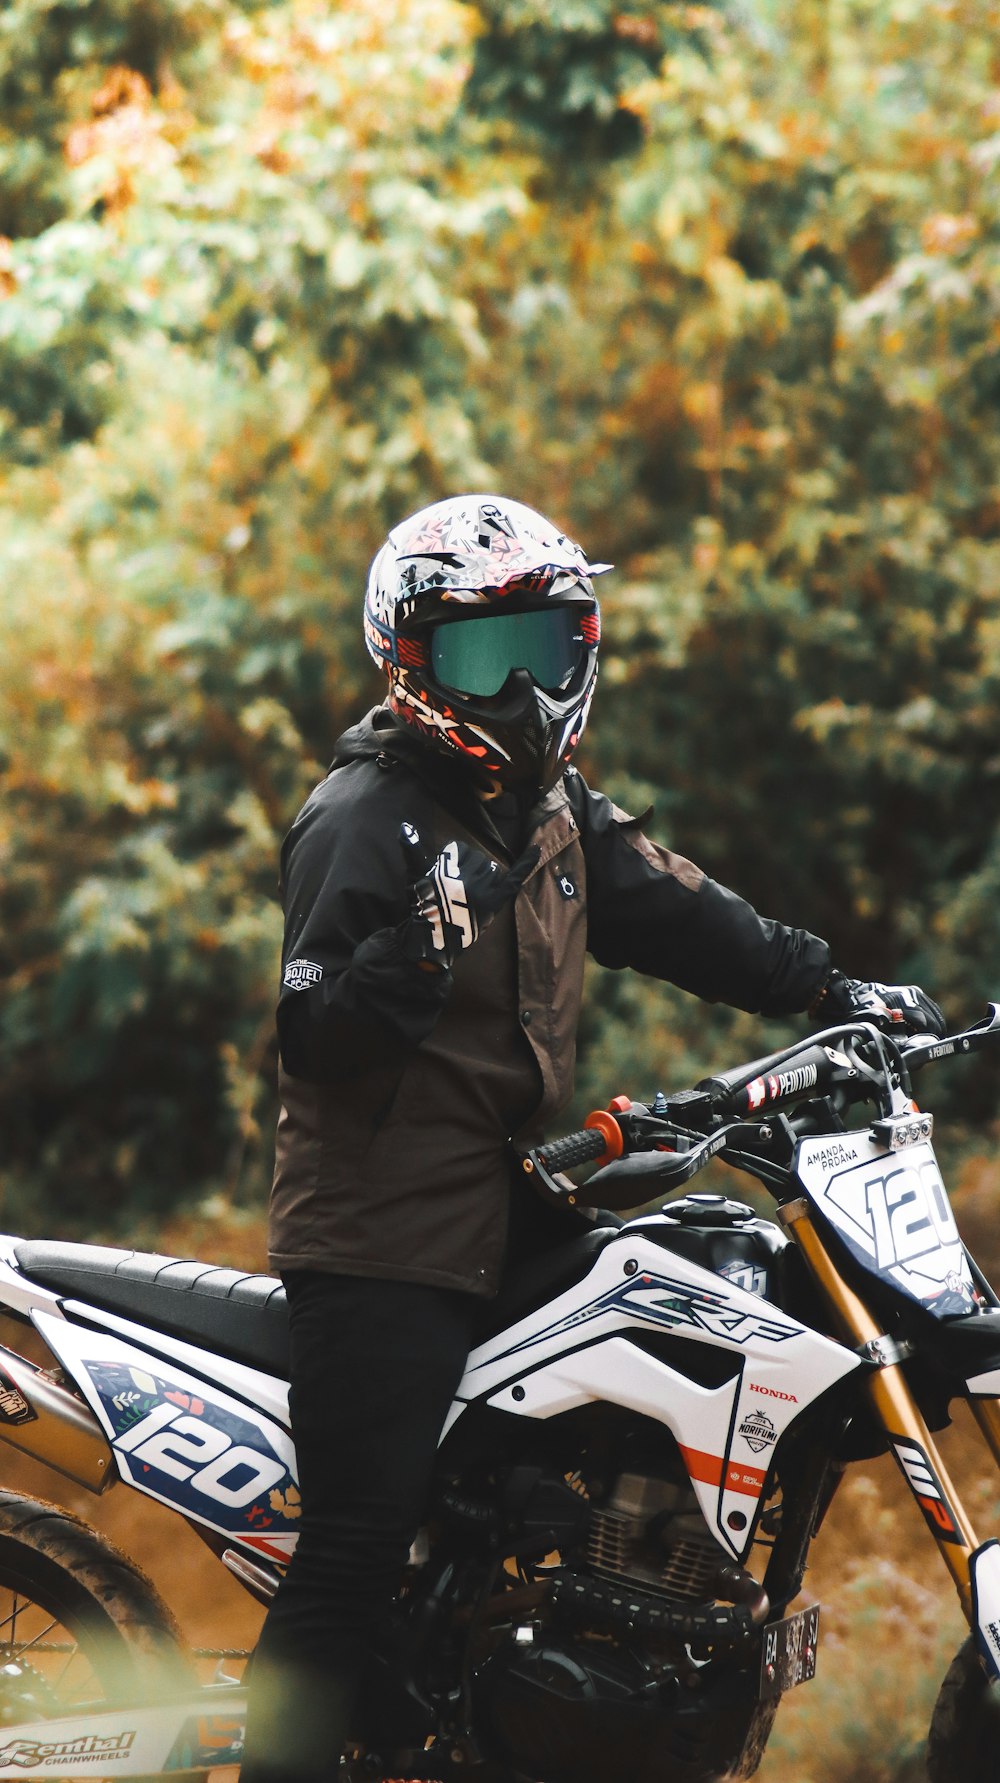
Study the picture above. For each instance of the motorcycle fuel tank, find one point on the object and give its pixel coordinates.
(725, 1236)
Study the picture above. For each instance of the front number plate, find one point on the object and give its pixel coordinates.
(788, 1656)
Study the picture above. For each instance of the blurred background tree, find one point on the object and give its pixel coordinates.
(715, 286)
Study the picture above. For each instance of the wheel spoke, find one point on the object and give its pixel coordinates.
(58, 1682)
(22, 1608)
(38, 1637)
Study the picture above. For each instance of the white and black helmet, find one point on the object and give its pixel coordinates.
(483, 616)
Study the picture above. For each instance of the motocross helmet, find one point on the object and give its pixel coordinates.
(483, 616)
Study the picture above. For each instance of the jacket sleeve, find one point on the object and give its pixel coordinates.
(658, 913)
(349, 997)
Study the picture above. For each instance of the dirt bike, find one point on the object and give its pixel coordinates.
(649, 1431)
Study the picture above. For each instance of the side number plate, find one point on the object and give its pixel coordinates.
(788, 1656)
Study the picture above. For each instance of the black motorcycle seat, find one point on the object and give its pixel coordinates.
(243, 1316)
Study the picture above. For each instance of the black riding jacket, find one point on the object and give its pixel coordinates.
(402, 1089)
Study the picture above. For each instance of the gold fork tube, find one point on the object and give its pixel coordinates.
(895, 1404)
(987, 1415)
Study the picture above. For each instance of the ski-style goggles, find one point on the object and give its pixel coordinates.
(476, 655)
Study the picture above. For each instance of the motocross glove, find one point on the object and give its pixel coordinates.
(453, 898)
(890, 1006)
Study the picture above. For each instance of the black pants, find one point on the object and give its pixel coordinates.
(374, 1367)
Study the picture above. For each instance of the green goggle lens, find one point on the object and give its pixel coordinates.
(476, 655)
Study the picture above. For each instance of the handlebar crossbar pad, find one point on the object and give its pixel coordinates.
(766, 1082)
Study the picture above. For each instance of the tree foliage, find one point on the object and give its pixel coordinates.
(715, 286)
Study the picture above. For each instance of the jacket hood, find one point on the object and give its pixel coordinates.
(379, 732)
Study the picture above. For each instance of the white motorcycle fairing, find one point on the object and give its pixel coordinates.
(201, 1433)
(182, 1439)
(985, 1572)
(576, 1349)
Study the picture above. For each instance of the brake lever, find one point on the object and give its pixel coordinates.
(646, 1156)
(659, 1166)
(922, 1049)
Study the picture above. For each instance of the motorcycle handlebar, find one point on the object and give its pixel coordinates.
(831, 1060)
(780, 1077)
(813, 1066)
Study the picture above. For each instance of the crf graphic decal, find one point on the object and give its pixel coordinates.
(672, 1305)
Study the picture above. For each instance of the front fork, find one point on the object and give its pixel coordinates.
(910, 1440)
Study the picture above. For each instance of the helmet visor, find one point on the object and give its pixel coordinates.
(476, 655)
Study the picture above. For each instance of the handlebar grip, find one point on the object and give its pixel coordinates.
(576, 1148)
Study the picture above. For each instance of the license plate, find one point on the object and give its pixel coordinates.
(788, 1655)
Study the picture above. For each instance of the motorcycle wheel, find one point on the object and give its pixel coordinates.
(964, 1737)
(78, 1621)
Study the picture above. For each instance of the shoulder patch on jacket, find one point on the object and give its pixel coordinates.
(300, 974)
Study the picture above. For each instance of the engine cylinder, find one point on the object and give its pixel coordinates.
(652, 1532)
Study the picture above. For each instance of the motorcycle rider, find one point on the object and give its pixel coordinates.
(441, 889)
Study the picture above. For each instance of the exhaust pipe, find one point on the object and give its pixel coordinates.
(261, 1581)
(42, 1419)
